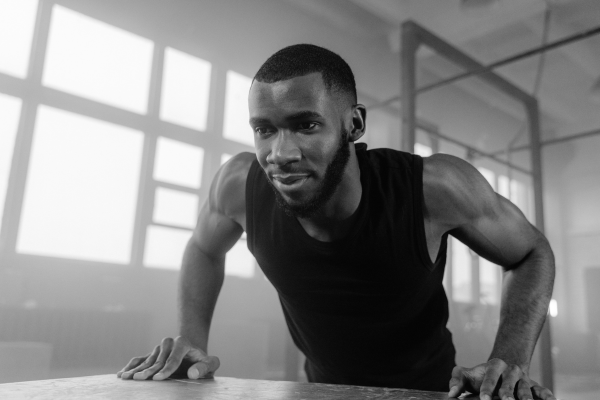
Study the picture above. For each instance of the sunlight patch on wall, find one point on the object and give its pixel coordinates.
(89, 58)
(17, 22)
(165, 246)
(178, 163)
(185, 89)
(235, 125)
(81, 189)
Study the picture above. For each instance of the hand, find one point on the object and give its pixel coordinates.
(171, 356)
(497, 377)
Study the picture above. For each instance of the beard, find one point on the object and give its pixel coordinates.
(331, 180)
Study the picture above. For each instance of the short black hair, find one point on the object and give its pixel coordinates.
(302, 59)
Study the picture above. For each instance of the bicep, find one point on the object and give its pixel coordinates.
(501, 234)
(215, 233)
(221, 219)
(466, 206)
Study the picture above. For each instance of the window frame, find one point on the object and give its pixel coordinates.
(32, 94)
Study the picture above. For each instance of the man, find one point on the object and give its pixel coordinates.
(354, 241)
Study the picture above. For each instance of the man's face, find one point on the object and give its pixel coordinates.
(300, 141)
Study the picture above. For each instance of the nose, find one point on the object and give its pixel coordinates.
(284, 149)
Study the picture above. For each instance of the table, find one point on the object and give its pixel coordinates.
(219, 388)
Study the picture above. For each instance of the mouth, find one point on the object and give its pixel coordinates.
(287, 182)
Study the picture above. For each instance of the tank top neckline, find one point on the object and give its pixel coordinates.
(359, 213)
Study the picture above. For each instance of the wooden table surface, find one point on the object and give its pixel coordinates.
(219, 388)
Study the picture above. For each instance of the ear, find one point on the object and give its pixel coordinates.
(359, 122)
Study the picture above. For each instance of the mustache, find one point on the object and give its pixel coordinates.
(287, 169)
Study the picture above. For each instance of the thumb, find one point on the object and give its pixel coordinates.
(204, 368)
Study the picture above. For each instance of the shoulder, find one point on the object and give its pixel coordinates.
(454, 191)
(228, 190)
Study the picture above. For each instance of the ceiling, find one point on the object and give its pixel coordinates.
(491, 30)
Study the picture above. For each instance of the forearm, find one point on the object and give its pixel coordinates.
(200, 283)
(526, 293)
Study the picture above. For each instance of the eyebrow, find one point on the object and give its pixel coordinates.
(292, 117)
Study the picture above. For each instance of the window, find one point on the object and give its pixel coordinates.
(239, 261)
(461, 272)
(489, 176)
(185, 89)
(89, 58)
(10, 110)
(172, 207)
(165, 246)
(178, 163)
(489, 284)
(225, 157)
(236, 126)
(422, 150)
(17, 21)
(81, 188)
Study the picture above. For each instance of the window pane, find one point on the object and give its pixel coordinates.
(225, 157)
(10, 110)
(422, 150)
(81, 191)
(489, 176)
(503, 188)
(178, 163)
(488, 281)
(186, 84)
(165, 247)
(239, 261)
(461, 272)
(92, 59)
(17, 20)
(172, 207)
(235, 125)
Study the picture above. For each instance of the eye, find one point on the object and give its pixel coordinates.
(261, 130)
(307, 126)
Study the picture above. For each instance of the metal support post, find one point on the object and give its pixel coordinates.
(545, 342)
(408, 78)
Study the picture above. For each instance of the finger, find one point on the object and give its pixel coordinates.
(542, 393)
(145, 364)
(457, 382)
(524, 390)
(493, 371)
(155, 364)
(205, 368)
(132, 364)
(180, 349)
(510, 377)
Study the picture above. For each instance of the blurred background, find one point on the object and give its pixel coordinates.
(115, 116)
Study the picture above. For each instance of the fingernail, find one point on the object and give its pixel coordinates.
(485, 397)
(194, 373)
(160, 375)
(452, 391)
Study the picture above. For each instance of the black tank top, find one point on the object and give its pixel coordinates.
(369, 309)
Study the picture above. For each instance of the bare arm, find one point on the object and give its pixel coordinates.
(460, 201)
(220, 224)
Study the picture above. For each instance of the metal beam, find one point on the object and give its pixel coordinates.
(472, 150)
(479, 69)
(484, 69)
(575, 136)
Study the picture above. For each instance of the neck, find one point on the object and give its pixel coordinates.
(336, 217)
